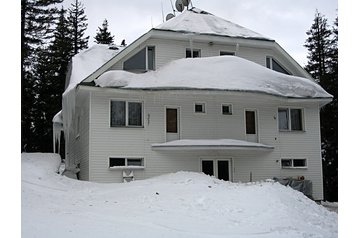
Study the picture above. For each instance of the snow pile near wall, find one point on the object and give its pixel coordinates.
(198, 21)
(216, 73)
(183, 204)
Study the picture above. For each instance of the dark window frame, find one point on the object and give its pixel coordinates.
(226, 112)
(127, 119)
(203, 106)
(290, 126)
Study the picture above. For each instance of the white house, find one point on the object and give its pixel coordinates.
(197, 93)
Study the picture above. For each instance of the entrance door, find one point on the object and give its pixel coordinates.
(220, 168)
(172, 124)
(251, 125)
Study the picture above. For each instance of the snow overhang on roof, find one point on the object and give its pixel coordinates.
(219, 144)
(224, 73)
(198, 21)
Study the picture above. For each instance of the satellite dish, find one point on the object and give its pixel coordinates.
(179, 5)
(186, 2)
(169, 16)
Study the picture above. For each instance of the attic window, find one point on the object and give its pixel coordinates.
(142, 61)
(271, 63)
(196, 53)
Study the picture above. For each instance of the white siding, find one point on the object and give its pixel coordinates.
(136, 142)
(78, 145)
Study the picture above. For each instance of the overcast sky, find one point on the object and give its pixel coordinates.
(286, 21)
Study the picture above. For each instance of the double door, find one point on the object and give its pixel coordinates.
(220, 168)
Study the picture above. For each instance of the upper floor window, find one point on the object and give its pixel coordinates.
(196, 53)
(199, 107)
(290, 119)
(226, 109)
(125, 113)
(227, 53)
(142, 61)
(271, 63)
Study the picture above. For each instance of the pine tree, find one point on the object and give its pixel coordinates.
(36, 20)
(318, 43)
(323, 66)
(78, 25)
(103, 36)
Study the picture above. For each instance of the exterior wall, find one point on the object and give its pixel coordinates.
(136, 142)
(79, 137)
(167, 50)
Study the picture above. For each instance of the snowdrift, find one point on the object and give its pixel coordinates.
(228, 73)
(183, 204)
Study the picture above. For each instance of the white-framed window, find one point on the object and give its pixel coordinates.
(290, 119)
(227, 53)
(123, 162)
(293, 163)
(142, 61)
(226, 109)
(200, 107)
(196, 53)
(273, 64)
(126, 113)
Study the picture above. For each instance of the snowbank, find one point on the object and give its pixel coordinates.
(198, 21)
(216, 73)
(183, 204)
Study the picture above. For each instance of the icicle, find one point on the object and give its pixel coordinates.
(237, 49)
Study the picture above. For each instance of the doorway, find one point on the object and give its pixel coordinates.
(172, 124)
(220, 168)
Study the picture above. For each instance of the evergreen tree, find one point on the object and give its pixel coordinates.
(50, 75)
(37, 17)
(103, 36)
(78, 25)
(322, 45)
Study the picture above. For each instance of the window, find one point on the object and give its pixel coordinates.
(199, 107)
(271, 63)
(126, 114)
(226, 109)
(293, 163)
(250, 119)
(126, 162)
(172, 120)
(143, 61)
(196, 53)
(227, 53)
(290, 119)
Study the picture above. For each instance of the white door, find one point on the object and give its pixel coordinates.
(172, 124)
(220, 168)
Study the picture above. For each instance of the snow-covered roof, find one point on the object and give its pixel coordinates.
(88, 61)
(229, 73)
(198, 21)
(222, 144)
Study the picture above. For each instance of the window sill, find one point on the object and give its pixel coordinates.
(126, 167)
(294, 167)
(127, 127)
(292, 131)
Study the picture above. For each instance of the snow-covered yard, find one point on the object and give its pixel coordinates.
(182, 204)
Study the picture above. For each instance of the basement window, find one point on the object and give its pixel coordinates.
(126, 163)
(293, 163)
(227, 53)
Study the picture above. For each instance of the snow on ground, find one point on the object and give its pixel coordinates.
(216, 73)
(183, 204)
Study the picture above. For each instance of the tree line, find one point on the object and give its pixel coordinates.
(51, 36)
(322, 46)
